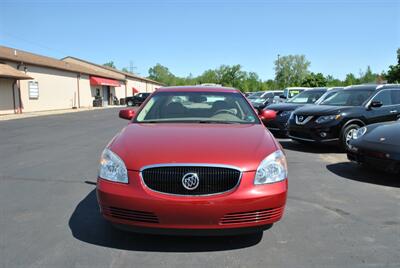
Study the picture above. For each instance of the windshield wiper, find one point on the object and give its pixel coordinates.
(215, 122)
(190, 121)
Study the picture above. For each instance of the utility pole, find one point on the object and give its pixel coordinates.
(277, 70)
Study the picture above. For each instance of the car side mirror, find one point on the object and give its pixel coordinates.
(126, 114)
(267, 115)
(376, 104)
(282, 96)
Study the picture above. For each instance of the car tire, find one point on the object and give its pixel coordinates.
(346, 135)
(129, 103)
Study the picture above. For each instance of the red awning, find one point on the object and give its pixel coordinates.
(100, 81)
(134, 90)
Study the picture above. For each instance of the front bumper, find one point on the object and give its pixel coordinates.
(278, 126)
(312, 132)
(386, 161)
(136, 207)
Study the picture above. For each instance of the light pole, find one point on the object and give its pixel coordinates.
(277, 71)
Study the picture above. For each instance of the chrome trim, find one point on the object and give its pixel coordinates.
(305, 121)
(191, 165)
(296, 138)
(273, 128)
(310, 140)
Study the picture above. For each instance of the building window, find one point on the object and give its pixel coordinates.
(33, 87)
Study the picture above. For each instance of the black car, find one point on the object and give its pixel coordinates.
(265, 99)
(336, 119)
(278, 126)
(378, 146)
(138, 99)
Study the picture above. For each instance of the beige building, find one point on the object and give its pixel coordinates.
(133, 83)
(31, 82)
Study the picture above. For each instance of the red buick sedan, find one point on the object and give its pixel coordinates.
(196, 161)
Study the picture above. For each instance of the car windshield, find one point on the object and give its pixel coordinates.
(255, 95)
(197, 107)
(290, 93)
(305, 97)
(348, 98)
(259, 100)
(263, 98)
(326, 96)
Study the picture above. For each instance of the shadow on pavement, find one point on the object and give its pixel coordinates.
(351, 171)
(88, 225)
(309, 147)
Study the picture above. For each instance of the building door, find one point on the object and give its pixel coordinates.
(106, 95)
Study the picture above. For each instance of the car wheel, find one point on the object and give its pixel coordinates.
(130, 103)
(346, 136)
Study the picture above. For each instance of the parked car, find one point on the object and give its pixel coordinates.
(278, 126)
(378, 146)
(138, 99)
(335, 119)
(290, 92)
(255, 95)
(266, 99)
(183, 166)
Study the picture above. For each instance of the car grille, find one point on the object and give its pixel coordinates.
(252, 216)
(212, 180)
(131, 215)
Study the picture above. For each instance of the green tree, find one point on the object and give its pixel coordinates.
(251, 82)
(110, 64)
(291, 70)
(208, 76)
(162, 74)
(393, 74)
(333, 82)
(314, 80)
(368, 76)
(350, 80)
(270, 84)
(232, 76)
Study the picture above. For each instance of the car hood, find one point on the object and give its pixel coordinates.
(322, 110)
(284, 106)
(243, 146)
(384, 133)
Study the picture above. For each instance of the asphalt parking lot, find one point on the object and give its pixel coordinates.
(337, 215)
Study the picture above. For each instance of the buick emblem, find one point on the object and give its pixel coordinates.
(301, 118)
(190, 181)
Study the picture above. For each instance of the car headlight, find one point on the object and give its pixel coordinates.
(285, 113)
(359, 133)
(327, 118)
(272, 169)
(112, 167)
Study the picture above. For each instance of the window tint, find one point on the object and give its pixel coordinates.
(384, 96)
(395, 96)
(348, 98)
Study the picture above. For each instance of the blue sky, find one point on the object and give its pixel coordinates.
(338, 37)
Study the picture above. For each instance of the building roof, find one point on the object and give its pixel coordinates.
(20, 56)
(76, 60)
(197, 89)
(6, 71)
